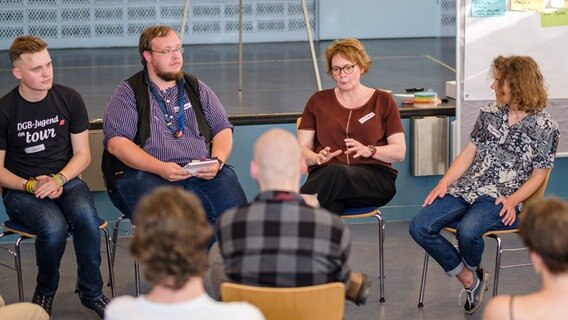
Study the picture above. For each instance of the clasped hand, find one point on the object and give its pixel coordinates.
(48, 187)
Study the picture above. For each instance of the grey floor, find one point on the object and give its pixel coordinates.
(403, 260)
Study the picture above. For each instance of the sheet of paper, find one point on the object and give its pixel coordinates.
(488, 8)
(527, 5)
(559, 3)
(556, 18)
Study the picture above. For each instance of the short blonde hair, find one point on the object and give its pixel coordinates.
(171, 238)
(350, 49)
(25, 44)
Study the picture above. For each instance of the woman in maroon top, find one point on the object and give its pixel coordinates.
(350, 135)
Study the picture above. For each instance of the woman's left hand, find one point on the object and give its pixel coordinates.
(357, 148)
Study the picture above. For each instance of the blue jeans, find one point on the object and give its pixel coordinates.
(51, 220)
(474, 220)
(217, 195)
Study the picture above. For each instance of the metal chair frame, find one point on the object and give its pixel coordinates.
(12, 228)
(495, 234)
(369, 212)
(498, 255)
(114, 240)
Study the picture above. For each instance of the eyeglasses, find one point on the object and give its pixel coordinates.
(167, 52)
(347, 69)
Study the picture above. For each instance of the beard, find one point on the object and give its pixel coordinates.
(169, 76)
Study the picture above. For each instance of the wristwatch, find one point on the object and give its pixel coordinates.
(373, 149)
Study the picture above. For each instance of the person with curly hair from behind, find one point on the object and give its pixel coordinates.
(171, 240)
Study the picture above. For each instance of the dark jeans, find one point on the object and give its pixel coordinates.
(216, 195)
(475, 219)
(340, 186)
(51, 220)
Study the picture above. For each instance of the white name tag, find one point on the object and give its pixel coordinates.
(493, 131)
(185, 107)
(366, 117)
(35, 149)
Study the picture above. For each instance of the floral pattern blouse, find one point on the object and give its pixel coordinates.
(506, 154)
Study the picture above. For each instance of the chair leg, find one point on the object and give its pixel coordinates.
(381, 221)
(137, 277)
(18, 264)
(498, 251)
(423, 280)
(112, 282)
(115, 238)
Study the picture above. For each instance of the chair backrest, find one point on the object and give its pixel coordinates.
(539, 193)
(325, 301)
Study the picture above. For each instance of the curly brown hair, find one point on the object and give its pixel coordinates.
(350, 49)
(146, 37)
(25, 44)
(171, 237)
(543, 230)
(522, 74)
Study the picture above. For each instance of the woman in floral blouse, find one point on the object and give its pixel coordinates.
(511, 147)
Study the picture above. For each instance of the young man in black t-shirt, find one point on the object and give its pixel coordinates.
(44, 146)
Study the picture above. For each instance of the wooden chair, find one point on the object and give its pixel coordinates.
(325, 301)
(514, 229)
(12, 228)
(369, 212)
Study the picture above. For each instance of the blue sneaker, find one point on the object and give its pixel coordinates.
(474, 295)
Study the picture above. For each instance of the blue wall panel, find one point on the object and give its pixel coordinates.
(408, 200)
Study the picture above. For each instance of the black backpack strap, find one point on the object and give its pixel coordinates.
(191, 86)
(140, 88)
(111, 166)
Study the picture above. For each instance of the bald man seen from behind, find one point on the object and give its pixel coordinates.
(259, 243)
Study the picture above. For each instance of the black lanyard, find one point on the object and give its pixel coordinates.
(178, 133)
